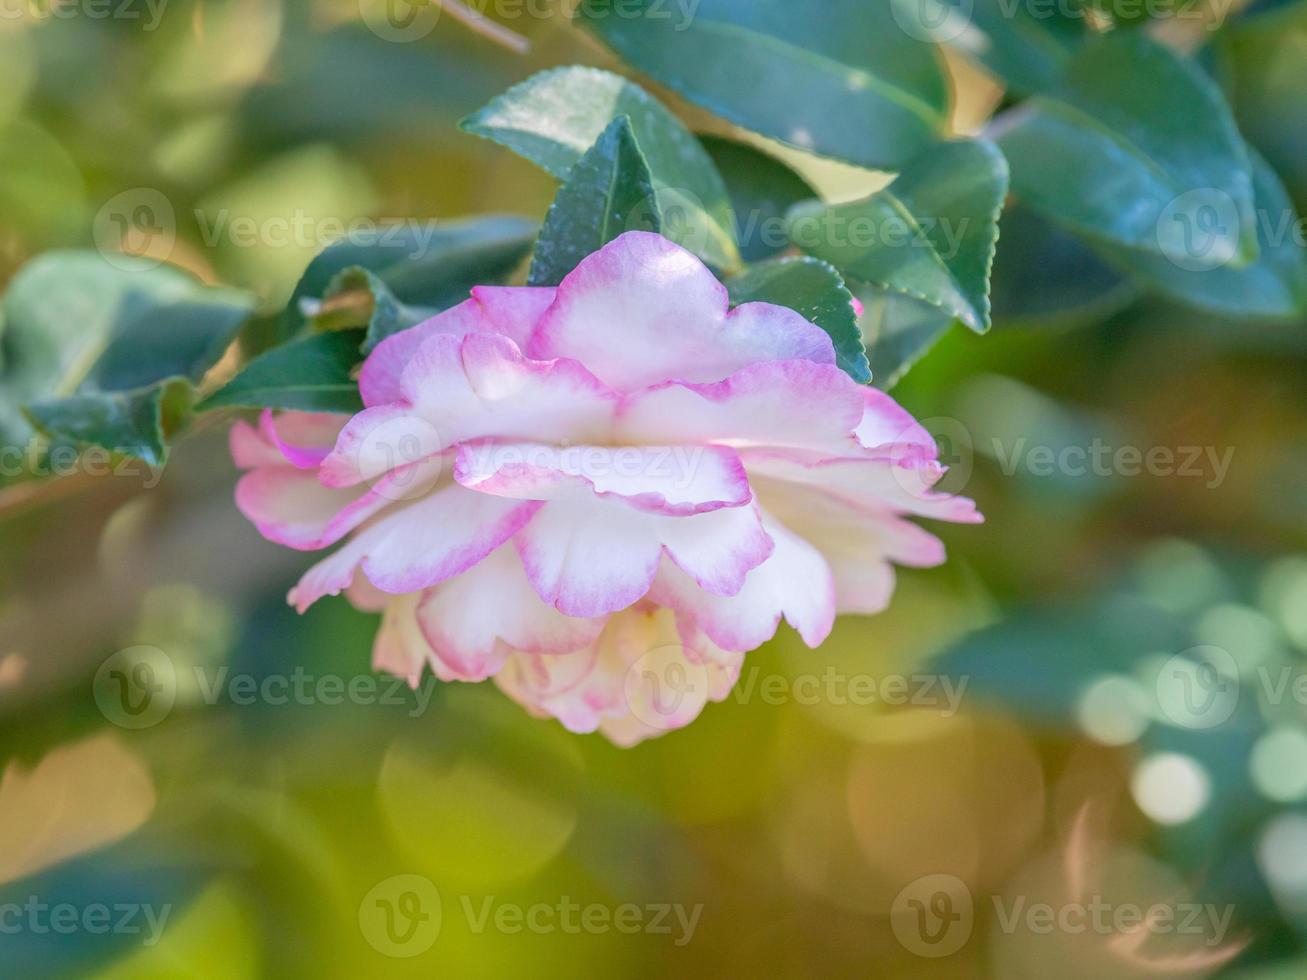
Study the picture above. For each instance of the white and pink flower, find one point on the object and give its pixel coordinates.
(601, 495)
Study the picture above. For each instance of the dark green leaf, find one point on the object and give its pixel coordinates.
(1272, 287)
(762, 190)
(899, 331)
(106, 353)
(312, 374)
(1137, 147)
(815, 289)
(138, 423)
(1046, 277)
(930, 235)
(1025, 46)
(554, 117)
(427, 265)
(359, 298)
(843, 78)
(609, 191)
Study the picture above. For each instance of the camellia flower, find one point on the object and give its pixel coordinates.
(601, 495)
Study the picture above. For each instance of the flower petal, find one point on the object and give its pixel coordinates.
(302, 438)
(782, 403)
(591, 557)
(470, 619)
(795, 582)
(419, 545)
(512, 311)
(643, 310)
(460, 388)
(674, 480)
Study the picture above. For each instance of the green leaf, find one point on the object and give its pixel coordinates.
(814, 289)
(356, 297)
(930, 235)
(427, 265)
(841, 78)
(899, 331)
(1026, 47)
(1045, 277)
(106, 353)
(1135, 147)
(609, 191)
(140, 423)
(762, 190)
(554, 117)
(312, 374)
(1272, 287)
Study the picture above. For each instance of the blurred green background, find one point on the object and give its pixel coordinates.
(1078, 625)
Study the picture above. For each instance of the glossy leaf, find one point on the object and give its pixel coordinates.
(554, 117)
(426, 265)
(1044, 276)
(107, 353)
(1135, 148)
(899, 331)
(1272, 287)
(762, 190)
(356, 297)
(815, 289)
(312, 374)
(140, 423)
(930, 235)
(842, 78)
(1028, 47)
(609, 191)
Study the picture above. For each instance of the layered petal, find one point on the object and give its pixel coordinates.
(420, 544)
(592, 557)
(510, 311)
(455, 389)
(794, 583)
(677, 481)
(778, 404)
(643, 310)
(472, 620)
